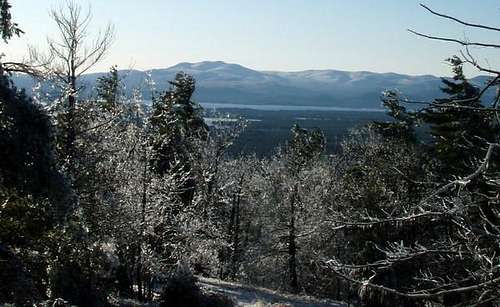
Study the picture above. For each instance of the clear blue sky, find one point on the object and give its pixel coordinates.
(285, 35)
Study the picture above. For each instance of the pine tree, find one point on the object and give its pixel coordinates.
(177, 123)
(303, 146)
(35, 198)
(108, 89)
(458, 132)
(27, 161)
(301, 150)
(7, 27)
(403, 123)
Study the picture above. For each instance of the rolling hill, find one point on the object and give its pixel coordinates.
(220, 82)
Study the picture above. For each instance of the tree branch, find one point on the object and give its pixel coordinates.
(454, 40)
(459, 21)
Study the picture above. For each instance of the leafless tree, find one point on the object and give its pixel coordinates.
(72, 54)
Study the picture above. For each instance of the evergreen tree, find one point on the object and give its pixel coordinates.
(301, 150)
(108, 89)
(303, 147)
(403, 123)
(177, 124)
(8, 28)
(458, 132)
(27, 161)
(35, 198)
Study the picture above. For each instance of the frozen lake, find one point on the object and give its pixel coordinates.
(266, 107)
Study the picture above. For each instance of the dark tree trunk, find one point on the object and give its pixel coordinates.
(70, 119)
(225, 259)
(292, 247)
(235, 226)
(140, 292)
(236, 240)
(71, 133)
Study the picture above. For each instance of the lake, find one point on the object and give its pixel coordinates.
(211, 105)
(268, 127)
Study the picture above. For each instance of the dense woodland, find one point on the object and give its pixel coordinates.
(104, 199)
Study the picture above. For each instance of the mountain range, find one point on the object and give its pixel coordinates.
(224, 83)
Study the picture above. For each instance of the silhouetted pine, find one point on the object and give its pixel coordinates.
(457, 132)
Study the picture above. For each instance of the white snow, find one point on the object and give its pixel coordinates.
(260, 297)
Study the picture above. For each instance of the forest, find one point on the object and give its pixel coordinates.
(105, 201)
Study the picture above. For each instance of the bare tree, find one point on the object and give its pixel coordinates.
(72, 54)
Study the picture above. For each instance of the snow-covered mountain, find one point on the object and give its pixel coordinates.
(220, 82)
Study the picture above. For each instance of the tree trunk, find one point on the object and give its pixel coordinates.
(292, 247)
(70, 120)
(236, 241)
(235, 221)
(140, 292)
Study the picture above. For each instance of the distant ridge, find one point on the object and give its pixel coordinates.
(220, 82)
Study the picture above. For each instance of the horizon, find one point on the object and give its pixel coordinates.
(367, 36)
(275, 71)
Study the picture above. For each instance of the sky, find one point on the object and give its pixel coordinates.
(282, 35)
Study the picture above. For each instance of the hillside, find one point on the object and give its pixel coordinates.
(220, 82)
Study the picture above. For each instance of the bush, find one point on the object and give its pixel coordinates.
(181, 290)
(16, 284)
(216, 300)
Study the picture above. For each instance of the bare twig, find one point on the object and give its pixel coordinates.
(416, 296)
(454, 40)
(459, 20)
(464, 181)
